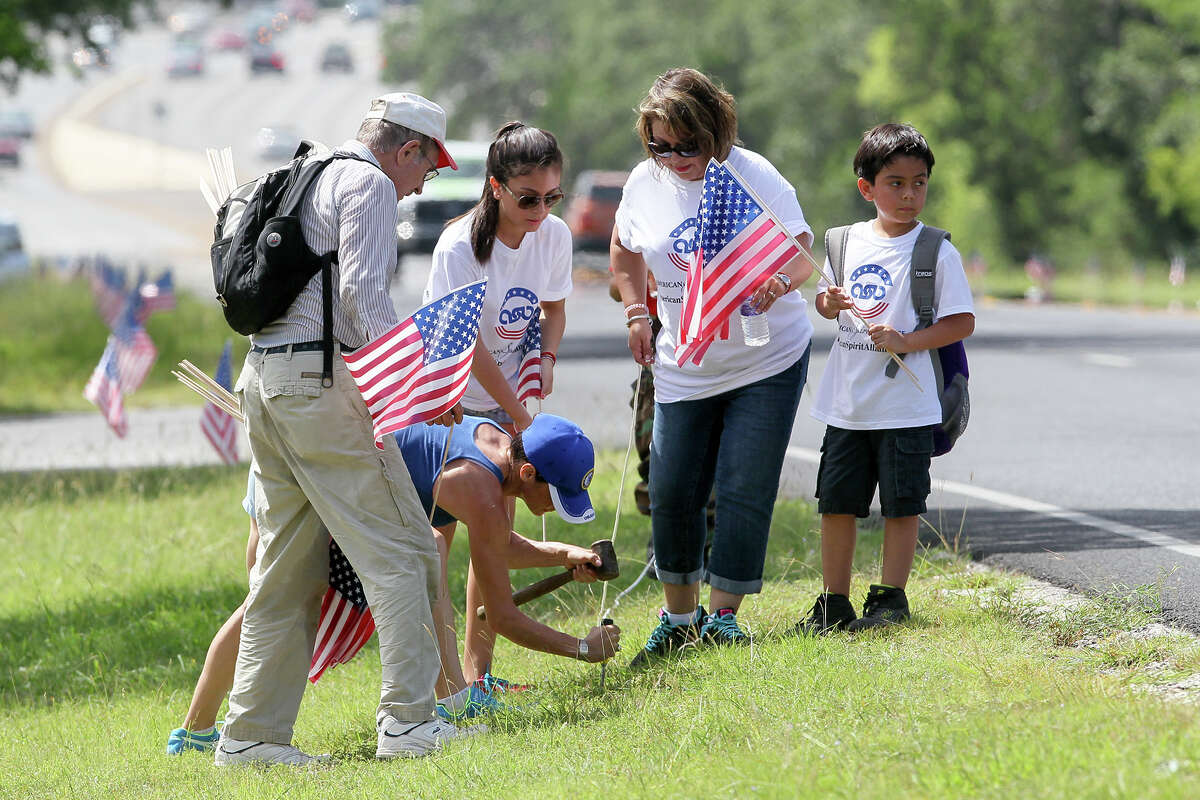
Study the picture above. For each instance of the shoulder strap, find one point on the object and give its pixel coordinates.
(835, 250)
(922, 274)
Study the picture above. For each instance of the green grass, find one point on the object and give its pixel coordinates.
(116, 581)
(1122, 289)
(51, 338)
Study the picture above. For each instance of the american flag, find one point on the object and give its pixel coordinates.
(418, 370)
(135, 351)
(529, 377)
(158, 295)
(346, 622)
(108, 289)
(104, 391)
(220, 428)
(741, 245)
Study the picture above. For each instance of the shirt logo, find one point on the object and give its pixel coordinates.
(684, 241)
(519, 307)
(869, 285)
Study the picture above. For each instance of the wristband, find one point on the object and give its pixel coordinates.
(629, 321)
(783, 278)
(550, 355)
(634, 306)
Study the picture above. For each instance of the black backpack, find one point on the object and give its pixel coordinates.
(949, 362)
(260, 260)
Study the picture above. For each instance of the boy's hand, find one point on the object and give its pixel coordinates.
(836, 300)
(887, 337)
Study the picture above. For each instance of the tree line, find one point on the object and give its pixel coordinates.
(1069, 130)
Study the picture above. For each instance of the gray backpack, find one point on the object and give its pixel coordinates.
(949, 362)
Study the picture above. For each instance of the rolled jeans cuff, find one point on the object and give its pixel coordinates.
(732, 586)
(678, 578)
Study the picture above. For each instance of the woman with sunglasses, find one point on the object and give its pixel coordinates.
(511, 238)
(724, 422)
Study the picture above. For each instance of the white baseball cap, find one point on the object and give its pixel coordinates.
(415, 113)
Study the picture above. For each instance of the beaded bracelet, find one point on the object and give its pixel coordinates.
(629, 321)
(632, 306)
(550, 355)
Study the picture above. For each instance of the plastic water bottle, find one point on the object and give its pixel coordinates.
(755, 330)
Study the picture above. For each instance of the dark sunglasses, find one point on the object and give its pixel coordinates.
(528, 201)
(689, 150)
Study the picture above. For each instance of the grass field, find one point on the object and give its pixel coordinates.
(115, 582)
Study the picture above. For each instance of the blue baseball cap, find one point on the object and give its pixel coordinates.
(564, 456)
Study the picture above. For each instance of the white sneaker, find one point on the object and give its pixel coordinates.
(238, 751)
(416, 739)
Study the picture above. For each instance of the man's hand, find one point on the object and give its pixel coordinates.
(603, 642)
(582, 561)
(547, 377)
(451, 417)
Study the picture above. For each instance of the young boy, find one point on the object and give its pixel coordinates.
(879, 429)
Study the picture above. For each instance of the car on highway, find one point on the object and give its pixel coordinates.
(593, 208)
(277, 143)
(16, 123)
(361, 10)
(186, 60)
(10, 151)
(227, 39)
(337, 58)
(300, 10)
(13, 258)
(452, 193)
(265, 58)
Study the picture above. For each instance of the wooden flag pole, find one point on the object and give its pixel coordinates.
(853, 310)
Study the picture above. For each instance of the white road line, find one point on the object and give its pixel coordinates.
(1108, 360)
(1034, 506)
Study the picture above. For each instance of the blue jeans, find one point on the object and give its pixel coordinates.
(737, 439)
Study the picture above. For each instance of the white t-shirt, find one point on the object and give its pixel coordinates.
(518, 280)
(854, 392)
(658, 218)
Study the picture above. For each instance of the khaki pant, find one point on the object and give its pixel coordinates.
(317, 468)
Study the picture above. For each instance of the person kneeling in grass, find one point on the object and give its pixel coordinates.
(548, 465)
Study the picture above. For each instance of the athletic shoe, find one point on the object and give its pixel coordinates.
(885, 606)
(416, 739)
(831, 612)
(479, 702)
(238, 751)
(182, 739)
(666, 639)
(721, 627)
(491, 683)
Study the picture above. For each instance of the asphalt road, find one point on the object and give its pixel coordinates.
(1077, 466)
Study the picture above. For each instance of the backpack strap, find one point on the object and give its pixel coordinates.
(835, 250)
(294, 195)
(922, 274)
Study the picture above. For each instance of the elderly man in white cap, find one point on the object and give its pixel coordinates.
(315, 461)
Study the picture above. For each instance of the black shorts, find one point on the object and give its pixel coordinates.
(853, 463)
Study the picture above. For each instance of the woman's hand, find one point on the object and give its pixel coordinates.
(641, 342)
(547, 376)
(766, 293)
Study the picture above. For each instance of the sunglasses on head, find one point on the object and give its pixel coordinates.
(529, 201)
(686, 150)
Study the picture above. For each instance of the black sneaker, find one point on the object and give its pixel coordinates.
(831, 612)
(721, 627)
(667, 639)
(885, 605)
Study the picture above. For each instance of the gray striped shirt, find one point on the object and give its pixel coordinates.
(352, 209)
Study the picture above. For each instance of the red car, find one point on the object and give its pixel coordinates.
(227, 39)
(10, 152)
(593, 208)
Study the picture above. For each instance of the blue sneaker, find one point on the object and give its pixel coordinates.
(479, 702)
(721, 627)
(666, 640)
(182, 739)
(492, 684)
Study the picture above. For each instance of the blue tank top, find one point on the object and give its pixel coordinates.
(421, 446)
